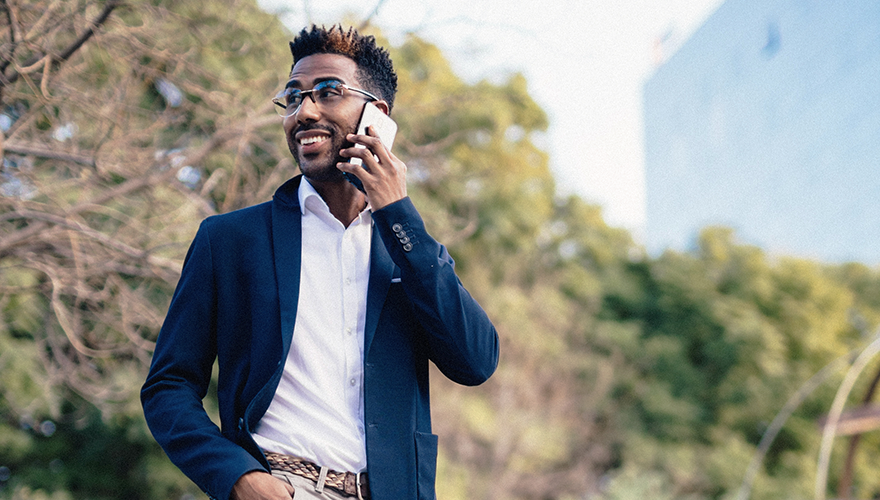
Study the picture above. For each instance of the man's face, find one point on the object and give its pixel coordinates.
(316, 134)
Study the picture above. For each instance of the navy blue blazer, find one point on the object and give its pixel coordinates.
(236, 302)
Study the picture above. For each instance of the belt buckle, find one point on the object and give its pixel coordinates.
(357, 482)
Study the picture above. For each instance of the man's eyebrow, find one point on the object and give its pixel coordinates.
(297, 83)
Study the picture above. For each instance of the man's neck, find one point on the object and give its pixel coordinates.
(342, 198)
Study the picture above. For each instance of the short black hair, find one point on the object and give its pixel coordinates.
(375, 70)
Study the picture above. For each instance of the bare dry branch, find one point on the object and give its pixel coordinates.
(97, 207)
(96, 235)
(44, 152)
(65, 54)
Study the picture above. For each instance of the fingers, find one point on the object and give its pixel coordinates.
(382, 173)
(259, 485)
(374, 146)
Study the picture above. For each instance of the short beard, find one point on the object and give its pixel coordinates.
(321, 172)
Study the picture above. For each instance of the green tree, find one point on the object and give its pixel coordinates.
(727, 336)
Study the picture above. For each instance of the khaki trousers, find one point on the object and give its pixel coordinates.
(305, 489)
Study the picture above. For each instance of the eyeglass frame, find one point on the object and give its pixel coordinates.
(278, 99)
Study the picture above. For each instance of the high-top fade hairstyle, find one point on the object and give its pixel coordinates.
(375, 71)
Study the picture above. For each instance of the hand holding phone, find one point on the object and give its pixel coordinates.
(383, 125)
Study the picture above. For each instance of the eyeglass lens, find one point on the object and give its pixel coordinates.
(324, 94)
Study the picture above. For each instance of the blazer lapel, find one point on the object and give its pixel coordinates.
(286, 253)
(381, 272)
(287, 247)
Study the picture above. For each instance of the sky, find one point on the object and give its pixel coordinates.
(585, 61)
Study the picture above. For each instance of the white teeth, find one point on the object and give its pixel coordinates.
(311, 140)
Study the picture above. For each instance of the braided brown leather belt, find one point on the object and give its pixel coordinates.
(351, 484)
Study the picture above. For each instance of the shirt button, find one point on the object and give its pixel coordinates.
(348, 330)
(352, 382)
(347, 281)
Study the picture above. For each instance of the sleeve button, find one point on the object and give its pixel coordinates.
(396, 227)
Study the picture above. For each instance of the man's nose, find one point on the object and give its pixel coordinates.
(308, 110)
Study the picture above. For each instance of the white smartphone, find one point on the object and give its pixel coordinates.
(383, 124)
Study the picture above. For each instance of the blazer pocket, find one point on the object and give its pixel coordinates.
(426, 464)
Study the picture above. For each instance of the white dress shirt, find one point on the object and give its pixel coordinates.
(317, 412)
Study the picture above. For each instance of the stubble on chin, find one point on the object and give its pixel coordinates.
(321, 169)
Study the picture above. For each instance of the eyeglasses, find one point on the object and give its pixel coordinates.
(325, 94)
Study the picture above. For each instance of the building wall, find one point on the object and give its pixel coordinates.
(768, 121)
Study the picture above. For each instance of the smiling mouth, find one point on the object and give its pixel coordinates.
(305, 141)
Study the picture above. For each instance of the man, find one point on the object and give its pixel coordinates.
(322, 308)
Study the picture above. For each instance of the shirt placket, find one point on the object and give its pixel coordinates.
(353, 370)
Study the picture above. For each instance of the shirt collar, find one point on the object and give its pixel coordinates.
(308, 195)
(311, 201)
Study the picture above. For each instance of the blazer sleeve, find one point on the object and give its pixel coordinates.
(461, 339)
(179, 377)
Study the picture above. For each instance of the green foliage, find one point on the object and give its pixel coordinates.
(80, 455)
(727, 336)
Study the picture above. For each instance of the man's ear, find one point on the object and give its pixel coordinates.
(383, 106)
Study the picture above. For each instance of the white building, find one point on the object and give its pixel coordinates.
(767, 120)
